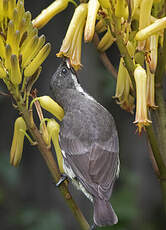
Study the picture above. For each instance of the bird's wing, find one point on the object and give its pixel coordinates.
(95, 165)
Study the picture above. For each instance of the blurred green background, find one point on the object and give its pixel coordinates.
(28, 198)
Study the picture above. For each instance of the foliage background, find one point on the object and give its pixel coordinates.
(28, 198)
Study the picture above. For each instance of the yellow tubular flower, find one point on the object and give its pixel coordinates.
(11, 6)
(15, 75)
(123, 88)
(145, 13)
(141, 118)
(53, 130)
(17, 142)
(71, 46)
(3, 73)
(51, 106)
(106, 41)
(2, 47)
(21, 50)
(28, 50)
(100, 26)
(37, 47)
(150, 88)
(48, 13)
(155, 27)
(144, 18)
(136, 16)
(8, 53)
(37, 61)
(121, 9)
(153, 52)
(93, 7)
(135, 5)
(105, 4)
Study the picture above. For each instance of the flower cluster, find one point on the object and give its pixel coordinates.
(138, 23)
(21, 50)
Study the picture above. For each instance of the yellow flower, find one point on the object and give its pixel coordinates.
(123, 88)
(153, 52)
(141, 118)
(106, 41)
(17, 142)
(71, 46)
(51, 106)
(93, 6)
(48, 13)
(153, 28)
(53, 130)
(121, 9)
(150, 88)
(105, 4)
(100, 26)
(20, 47)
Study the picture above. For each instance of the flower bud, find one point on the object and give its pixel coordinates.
(93, 7)
(105, 4)
(123, 87)
(20, 11)
(15, 75)
(8, 53)
(11, 6)
(28, 50)
(48, 13)
(53, 130)
(106, 41)
(37, 47)
(2, 48)
(13, 38)
(17, 142)
(3, 73)
(141, 118)
(100, 26)
(145, 12)
(150, 97)
(135, 5)
(155, 27)
(51, 106)
(144, 18)
(153, 52)
(37, 61)
(121, 9)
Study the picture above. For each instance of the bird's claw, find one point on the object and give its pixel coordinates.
(61, 180)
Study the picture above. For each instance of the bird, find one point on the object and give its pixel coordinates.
(89, 143)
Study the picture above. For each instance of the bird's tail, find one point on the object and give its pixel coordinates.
(104, 214)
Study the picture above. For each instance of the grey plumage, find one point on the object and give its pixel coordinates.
(89, 143)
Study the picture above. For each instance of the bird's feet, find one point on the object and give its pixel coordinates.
(61, 180)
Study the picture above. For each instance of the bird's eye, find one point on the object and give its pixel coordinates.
(64, 70)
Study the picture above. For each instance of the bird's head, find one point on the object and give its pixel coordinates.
(64, 78)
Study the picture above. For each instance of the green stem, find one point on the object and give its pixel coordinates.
(157, 138)
(52, 166)
(156, 150)
(127, 59)
(161, 62)
(161, 121)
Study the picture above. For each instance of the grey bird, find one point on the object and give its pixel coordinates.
(89, 143)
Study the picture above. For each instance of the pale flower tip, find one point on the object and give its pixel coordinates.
(142, 124)
(88, 36)
(60, 54)
(77, 66)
